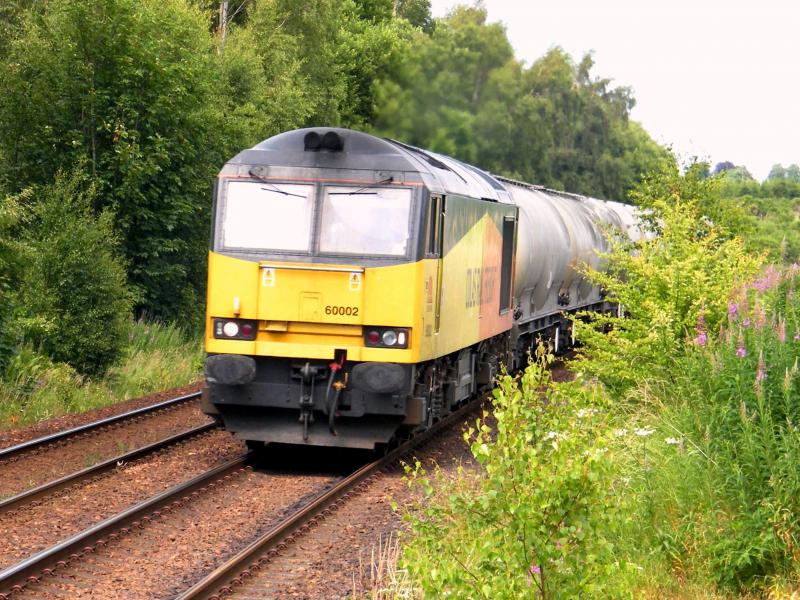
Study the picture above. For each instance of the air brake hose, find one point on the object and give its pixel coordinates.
(331, 377)
(334, 367)
(332, 411)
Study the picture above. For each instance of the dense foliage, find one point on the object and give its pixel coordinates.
(124, 90)
(462, 92)
(688, 409)
(72, 298)
(774, 209)
(538, 522)
(681, 271)
(143, 100)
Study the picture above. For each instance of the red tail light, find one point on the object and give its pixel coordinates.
(387, 337)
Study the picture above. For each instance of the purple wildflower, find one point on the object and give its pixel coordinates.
(733, 309)
(770, 279)
(760, 316)
(534, 570)
(701, 338)
(740, 350)
(796, 337)
(761, 374)
(746, 323)
(781, 331)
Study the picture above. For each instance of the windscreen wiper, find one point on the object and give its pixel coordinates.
(361, 191)
(274, 188)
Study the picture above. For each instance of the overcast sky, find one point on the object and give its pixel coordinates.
(718, 80)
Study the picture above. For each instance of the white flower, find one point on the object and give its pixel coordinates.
(672, 441)
(585, 412)
(644, 432)
(551, 435)
(620, 432)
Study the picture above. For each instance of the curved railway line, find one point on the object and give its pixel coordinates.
(15, 578)
(244, 567)
(95, 426)
(43, 465)
(38, 575)
(51, 487)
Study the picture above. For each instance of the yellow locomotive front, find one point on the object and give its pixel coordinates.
(328, 317)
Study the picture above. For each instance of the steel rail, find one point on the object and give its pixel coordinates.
(222, 580)
(30, 570)
(46, 489)
(62, 435)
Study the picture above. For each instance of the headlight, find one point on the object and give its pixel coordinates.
(235, 329)
(386, 337)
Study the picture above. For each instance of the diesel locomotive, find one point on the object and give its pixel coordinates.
(359, 288)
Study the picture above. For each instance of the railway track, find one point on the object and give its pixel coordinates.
(82, 430)
(16, 578)
(84, 557)
(51, 487)
(246, 564)
(63, 458)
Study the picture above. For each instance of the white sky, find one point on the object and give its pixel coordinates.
(715, 79)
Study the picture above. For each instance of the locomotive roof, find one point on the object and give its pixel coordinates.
(362, 151)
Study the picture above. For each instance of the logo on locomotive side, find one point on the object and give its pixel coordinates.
(480, 285)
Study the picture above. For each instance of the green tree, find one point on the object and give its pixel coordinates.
(11, 252)
(461, 92)
(776, 172)
(72, 299)
(331, 53)
(127, 90)
(416, 12)
(433, 100)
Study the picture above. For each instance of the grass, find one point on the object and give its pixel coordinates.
(381, 578)
(157, 357)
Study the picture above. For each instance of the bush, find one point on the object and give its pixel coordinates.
(672, 287)
(10, 267)
(73, 299)
(540, 523)
(736, 407)
(156, 357)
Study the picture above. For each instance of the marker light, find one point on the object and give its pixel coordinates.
(386, 337)
(235, 329)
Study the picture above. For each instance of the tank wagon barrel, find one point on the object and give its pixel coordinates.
(360, 288)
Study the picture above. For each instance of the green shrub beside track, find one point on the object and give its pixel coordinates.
(669, 469)
(155, 357)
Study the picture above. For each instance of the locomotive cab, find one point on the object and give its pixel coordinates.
(342, 268)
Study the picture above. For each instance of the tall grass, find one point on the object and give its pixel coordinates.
(156, 357)
(723, 501)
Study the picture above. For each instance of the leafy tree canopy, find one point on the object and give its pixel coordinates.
(125, 89)
(462, 92)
